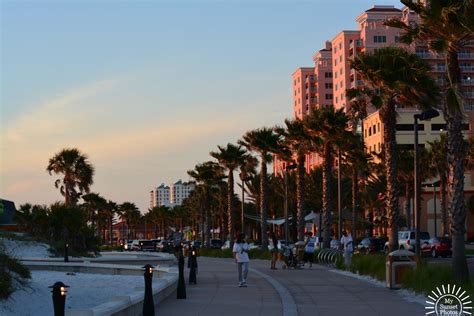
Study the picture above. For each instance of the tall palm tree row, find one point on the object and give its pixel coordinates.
(296, 139)
(398, 79)
(208, 174)
(327, 128)
(447, 27)
(77, 173)
(263, 141)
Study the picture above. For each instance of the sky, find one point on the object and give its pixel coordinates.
(146, 89)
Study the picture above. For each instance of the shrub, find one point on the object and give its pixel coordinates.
(373, 265)
(260, 254)
(11, 269)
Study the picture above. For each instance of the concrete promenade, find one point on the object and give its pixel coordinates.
(282, 292)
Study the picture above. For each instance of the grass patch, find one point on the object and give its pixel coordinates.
(373, 265)
(425, 278)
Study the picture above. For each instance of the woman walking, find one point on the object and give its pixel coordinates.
(241, 256)
(273, 249)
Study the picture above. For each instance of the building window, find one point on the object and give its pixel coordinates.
(328, 96)
(328, 74)
(336, 87)
(380, 39)
(337, 100)
(335, 74)
(328, 85)
(409, 127)
(335, 62)
(340, 71)
(378, 127)
(340, 58)
(340, 45)
(397, 39)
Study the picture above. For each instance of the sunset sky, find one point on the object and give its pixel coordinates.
(147, 88)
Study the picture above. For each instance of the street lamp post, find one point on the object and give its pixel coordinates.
(423, 116)
(434, 210)
(288, 167)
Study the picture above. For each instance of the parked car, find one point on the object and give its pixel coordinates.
(147, 245)
(135, 246)
(127, 245)
(371, 245)
(196, 243)
(216, 244)
(406, 240)
(437, 246)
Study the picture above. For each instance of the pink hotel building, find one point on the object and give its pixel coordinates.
(326, 83)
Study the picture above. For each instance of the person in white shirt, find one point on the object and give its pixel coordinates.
(241, 249)
(309, 244)
(346, 242)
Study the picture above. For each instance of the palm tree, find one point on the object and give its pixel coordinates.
(77, 173)
(327, 129)
(263, 141)
(297, 140)
(447, 27)
(356, 158)
(398, 78)
(247, 172)
(93, 205)
(207, 174)
(230, 158)
(130, 213)
(437, 157)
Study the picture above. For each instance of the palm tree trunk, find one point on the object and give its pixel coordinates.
(456, 153)
(263, 203)
(300, 197)
(407, 203)
(207, 218)
(444, 211)
(327, 194)
(389, 118)
(230, 208)
(355, 200)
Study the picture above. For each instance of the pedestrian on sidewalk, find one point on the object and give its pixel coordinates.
(309, 245)
(241, 249)
(346, 242)
(273, 249)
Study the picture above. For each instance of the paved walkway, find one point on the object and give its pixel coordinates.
(282, 292)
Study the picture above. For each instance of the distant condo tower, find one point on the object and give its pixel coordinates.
(170, 196)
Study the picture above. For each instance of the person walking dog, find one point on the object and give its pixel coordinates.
(241, 249)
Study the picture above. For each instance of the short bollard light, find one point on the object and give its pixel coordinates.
(148, 305)
(66, 255)
(192, 265)
(181, 286)
(59, 297)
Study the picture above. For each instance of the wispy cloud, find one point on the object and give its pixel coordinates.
(130, 156)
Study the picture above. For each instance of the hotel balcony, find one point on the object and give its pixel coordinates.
(468, 82)
(466, 55)
(467, 69)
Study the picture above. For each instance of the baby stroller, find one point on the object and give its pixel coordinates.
(291, 258)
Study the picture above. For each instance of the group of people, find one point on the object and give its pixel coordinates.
(241, 249)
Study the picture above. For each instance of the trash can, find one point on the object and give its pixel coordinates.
(397, 264)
